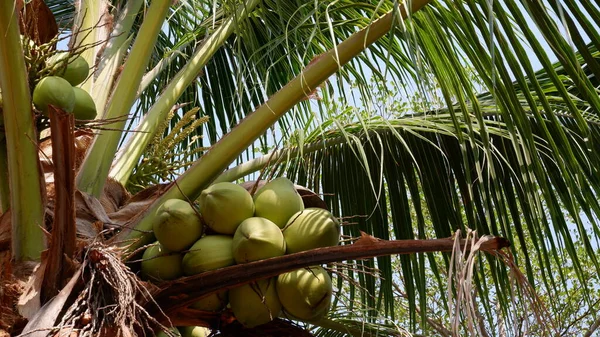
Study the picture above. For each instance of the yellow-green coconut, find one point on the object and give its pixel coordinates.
(194, 331)
(85, 107)
(56, 91)
(277, 201)
(305, 293)
(75, 70)
(159, 264)
(309, 229)
(213, 302)
(209, 253)
(179, 225)
(257, 239)
(224, 206)
(255, 303)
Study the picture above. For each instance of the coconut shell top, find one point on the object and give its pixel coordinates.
(194, 331)
(309, 198)
(179, 226)
(309, 229)
(224, 206)
(56, 91)
(159, 264)
(255, 303)
(257, 239)
(305, 293)
(277, 201)
(209, 253)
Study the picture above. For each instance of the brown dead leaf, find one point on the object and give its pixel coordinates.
(30, 301)
(37, 22)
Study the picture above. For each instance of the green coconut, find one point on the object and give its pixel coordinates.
(209, 253)
(277, 201)
(179, 226)
(76, 69)
(56, 91)
(213, 302)
(173, 331)
(85, 107)
(257, 239)
(305, 293)
(309, 229)
(194, 331)
(255, 303)
(224, 206)
(159, 264)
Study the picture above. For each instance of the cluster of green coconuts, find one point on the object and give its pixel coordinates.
(246, 228)
(60, 90)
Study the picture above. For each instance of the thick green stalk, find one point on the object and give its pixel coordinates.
(134, 148)
(4, 184)
(90, 27)
(212, 163)
(113, 55)
(27, 209)
(94, 170)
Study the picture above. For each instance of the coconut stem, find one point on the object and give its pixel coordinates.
(27, 208)
(4, 185)
(190, 184)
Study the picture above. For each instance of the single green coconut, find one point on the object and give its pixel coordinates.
(224, 206)
(56, 91)
(309, 229)
(173, 331)
(257, 239)
(305, 293)
(277, 201)
(255, 303)
(213, 302)
(85, 107)
(75, 70)
(179, 226)
(159, 264)
(209, 253)
(194, 331)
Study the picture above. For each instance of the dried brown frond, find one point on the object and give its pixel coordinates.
(110, 299)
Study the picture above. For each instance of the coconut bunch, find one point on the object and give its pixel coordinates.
(60, 87)
(241, 228)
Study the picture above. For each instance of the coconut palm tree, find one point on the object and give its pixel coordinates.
(480, 115)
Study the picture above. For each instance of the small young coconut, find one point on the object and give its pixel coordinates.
(56, 91)
(209, 253)
(305, 293)
(173, 331)
(213, 302)
(85, 107)
(277, 201)
(224, 206)
(194, 331)
(257, 239)
(179, 226)
(159, 264)
(255, 303)
(76, 70)
(309, 229)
